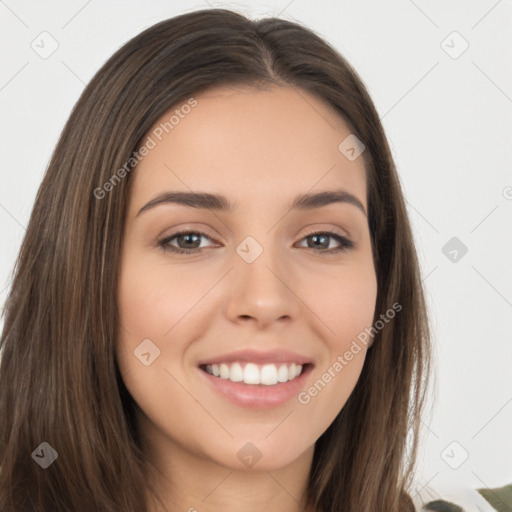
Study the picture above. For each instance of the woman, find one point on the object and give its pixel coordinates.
(281, 365)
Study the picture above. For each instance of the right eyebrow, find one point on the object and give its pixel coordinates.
(203, 200)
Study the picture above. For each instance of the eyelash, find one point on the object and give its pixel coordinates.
(346, 243)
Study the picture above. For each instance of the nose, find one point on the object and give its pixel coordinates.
(263, 290)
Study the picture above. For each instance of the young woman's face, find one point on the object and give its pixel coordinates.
(261, 288)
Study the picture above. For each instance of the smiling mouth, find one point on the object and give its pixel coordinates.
(255, 374)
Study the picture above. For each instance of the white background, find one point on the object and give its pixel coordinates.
(449, 122)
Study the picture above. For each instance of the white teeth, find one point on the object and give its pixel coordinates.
(236, 373)
(251, 373)
(282, 374)
(269, 375)
(224, 371)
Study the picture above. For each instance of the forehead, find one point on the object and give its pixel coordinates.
(246, 142)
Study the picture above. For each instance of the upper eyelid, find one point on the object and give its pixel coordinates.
(190, 231)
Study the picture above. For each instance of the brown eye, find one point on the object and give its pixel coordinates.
(319, 241)
(188, 242)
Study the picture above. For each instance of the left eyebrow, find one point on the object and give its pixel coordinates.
(319, 199)
(218, 202)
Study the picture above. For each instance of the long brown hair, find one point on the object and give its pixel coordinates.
(59, 380)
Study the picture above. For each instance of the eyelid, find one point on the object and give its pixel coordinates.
(201, 232)
(331, 231)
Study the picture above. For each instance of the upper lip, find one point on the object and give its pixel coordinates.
(277, 355)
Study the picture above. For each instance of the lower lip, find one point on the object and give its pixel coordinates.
(258, 396)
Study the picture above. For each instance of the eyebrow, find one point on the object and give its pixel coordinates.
(218, 202)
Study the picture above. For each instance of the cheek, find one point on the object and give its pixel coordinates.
(156, 311)
(149, 308)
(321, 402)
(162, 311)
(343, 301)
(154, 298)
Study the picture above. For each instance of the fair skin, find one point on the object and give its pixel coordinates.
(259, 149)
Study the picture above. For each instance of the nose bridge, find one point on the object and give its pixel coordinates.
(262, 281)
(259, 261)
